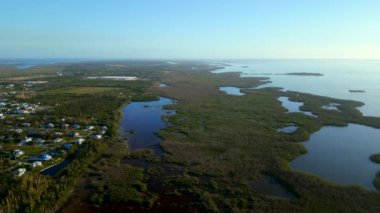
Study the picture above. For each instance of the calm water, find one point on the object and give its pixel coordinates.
(28, 63)
(293, 106)
(341, 155)
(288, 129)
(141, 120)
(340, 76)
(56, 168)
(337, 154)
(232, 91)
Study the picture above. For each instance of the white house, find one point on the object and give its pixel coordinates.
(36, 163)
(89, 127)
(98, 137)
(45, 157)
(20, 172)
(79, 141)
(18, 153)
(39, 141)
(50, 125)
(57, 140)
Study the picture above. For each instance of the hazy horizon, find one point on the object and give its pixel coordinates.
(200, 30)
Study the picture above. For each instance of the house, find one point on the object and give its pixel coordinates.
(98, 137)
(19, 131)
(39, 141)
(26, 124)
(89, 127)
(10, 86)
(18, 153)
(74, 134)
(20, 172)
(63, 125)
(26, 140)
(104, 128)
(102, 132)
(79, 141)
(57, 140)
(36, 163)
(50, 125)
(76, 126)
(58, 134)
(45, 157)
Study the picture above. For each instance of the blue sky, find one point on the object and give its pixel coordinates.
(189, 29)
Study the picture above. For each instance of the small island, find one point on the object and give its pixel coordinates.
(356, 91)
(304, 74)
(375, 158)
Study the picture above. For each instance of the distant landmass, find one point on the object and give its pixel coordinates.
(356, 91)
(304, 74)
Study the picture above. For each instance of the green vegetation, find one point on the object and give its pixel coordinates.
(233, 140)
(216, 147)
(376, 182)
(375, 158)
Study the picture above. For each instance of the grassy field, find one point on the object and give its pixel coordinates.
(82, 90)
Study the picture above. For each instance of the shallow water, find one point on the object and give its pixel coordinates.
(145, 119)
(28, 63)
(339, 76)
(293, 106)
(341, 155)
(288, 129)
(232, 91)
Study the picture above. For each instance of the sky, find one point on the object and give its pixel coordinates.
(192, 29)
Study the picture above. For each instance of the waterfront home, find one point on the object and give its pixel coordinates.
(19, 131)
(18, 153)
(74, 134)
(26, 124)
(20, 172)
(98, 137)
(79, 141)
(57, 134)
(39, 141)
(26, 140)
(57, 140)
(89, 127)
(36, 163)
(45, 157)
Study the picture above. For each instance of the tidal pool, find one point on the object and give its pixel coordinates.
(293, 106)
(291, 128)
(140, 122)
(341, 155)
(232, 91)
